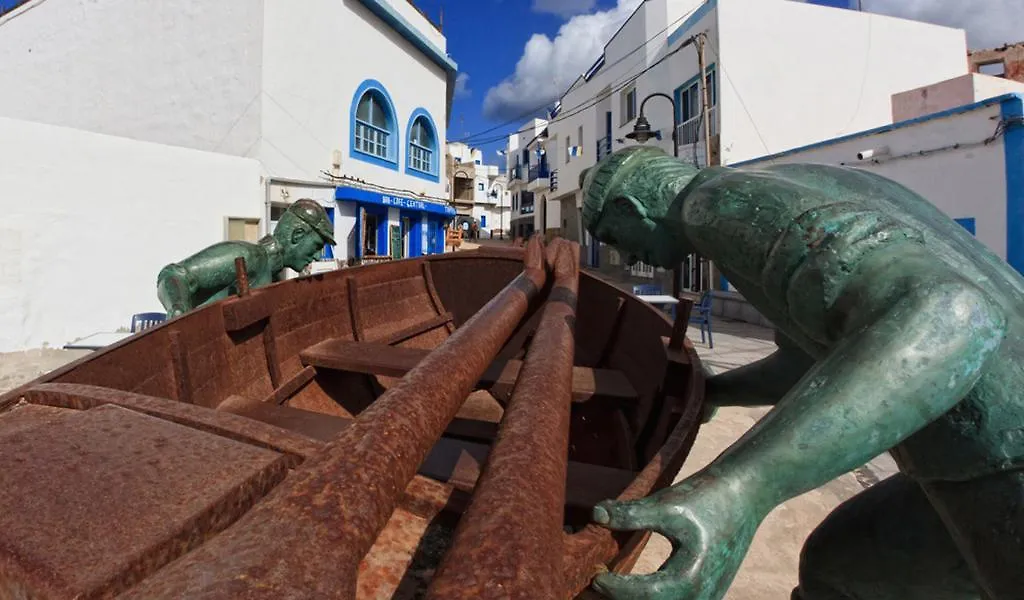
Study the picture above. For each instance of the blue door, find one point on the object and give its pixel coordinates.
(483, 221)
(415, 232)
(433, 237)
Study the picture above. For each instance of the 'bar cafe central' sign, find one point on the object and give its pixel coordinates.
(370, 197)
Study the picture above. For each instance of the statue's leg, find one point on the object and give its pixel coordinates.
(886, 543)
(986, 518)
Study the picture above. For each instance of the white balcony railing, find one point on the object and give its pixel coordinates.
(692, 131)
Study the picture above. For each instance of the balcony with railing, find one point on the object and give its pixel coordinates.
(692, 130)
(539, 172)
(538, 177)
(691, 138)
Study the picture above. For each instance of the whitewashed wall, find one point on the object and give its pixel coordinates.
(968, 182)
(269, 79)
(799, 73)
(177, 72)
(89, 220)
(316, 54)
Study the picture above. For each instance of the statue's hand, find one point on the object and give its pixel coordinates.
(710, 525)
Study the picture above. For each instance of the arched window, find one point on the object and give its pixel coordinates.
(423, 146)
(374, 126)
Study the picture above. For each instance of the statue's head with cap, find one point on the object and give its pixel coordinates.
(302, 232)
(630, 203)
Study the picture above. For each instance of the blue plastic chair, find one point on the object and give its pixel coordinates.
(646, 289)
(142, 321)
(701, 315)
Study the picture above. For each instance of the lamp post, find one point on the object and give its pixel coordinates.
(497, 192)
(641, 133)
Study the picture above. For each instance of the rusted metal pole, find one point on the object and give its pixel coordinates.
(334, 506)
(510, 543)
(242, 275)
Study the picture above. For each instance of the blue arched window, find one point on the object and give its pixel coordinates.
(374, 127)
(423, 156)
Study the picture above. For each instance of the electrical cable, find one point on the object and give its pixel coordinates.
(721, 67)
(465, 139)
(594, 101)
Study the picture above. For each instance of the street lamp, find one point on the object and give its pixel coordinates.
(497, 192)
(641, 133)
(642, 129)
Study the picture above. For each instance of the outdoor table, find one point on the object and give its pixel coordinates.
(97, 340)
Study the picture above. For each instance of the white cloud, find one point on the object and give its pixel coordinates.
(462, 86)
(563, 8)
(549, 66)
(989, 23)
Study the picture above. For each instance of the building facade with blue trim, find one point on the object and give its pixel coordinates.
(325, 94)
(968, 161)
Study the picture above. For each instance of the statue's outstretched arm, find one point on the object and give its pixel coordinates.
(874, 389)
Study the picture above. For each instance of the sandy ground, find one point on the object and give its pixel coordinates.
(17, 368)
(770, 568)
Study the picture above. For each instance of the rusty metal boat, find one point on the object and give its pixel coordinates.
(437, 427)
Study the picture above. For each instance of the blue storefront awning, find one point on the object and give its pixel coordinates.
(352, 194)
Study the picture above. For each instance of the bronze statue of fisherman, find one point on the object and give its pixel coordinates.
(898, 331)
(209, 275)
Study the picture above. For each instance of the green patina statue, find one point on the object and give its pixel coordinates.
(209, 275)
(897, 331)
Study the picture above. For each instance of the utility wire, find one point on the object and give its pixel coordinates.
(721, 67)
(537, 109)
(596, 99)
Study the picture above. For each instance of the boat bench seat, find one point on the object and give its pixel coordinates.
(455, 461)
(395, 361)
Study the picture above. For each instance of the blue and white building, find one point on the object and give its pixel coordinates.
(343, 101)
(967, 160)
(779, 75)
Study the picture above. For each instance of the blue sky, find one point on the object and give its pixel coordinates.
(487, 39)
(514, 55)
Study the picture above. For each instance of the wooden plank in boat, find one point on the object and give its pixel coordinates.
(393, 361)
(455, 461)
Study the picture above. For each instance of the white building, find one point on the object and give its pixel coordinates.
(479, 191)
(285, 83)
(967, 160)
(134, 134)
(779, 75)
(527, 156)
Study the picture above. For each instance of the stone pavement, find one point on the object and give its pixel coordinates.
(769, 571)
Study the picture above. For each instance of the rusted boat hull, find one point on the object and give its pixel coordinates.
(258, 447)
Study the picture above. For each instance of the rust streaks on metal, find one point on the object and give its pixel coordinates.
(335, 505)
(510, 543)
(242, 275)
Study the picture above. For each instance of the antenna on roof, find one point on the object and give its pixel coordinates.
(440, 25)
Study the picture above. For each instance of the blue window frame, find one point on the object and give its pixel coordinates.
(423, 156)
(374, 127)
(687, 96)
